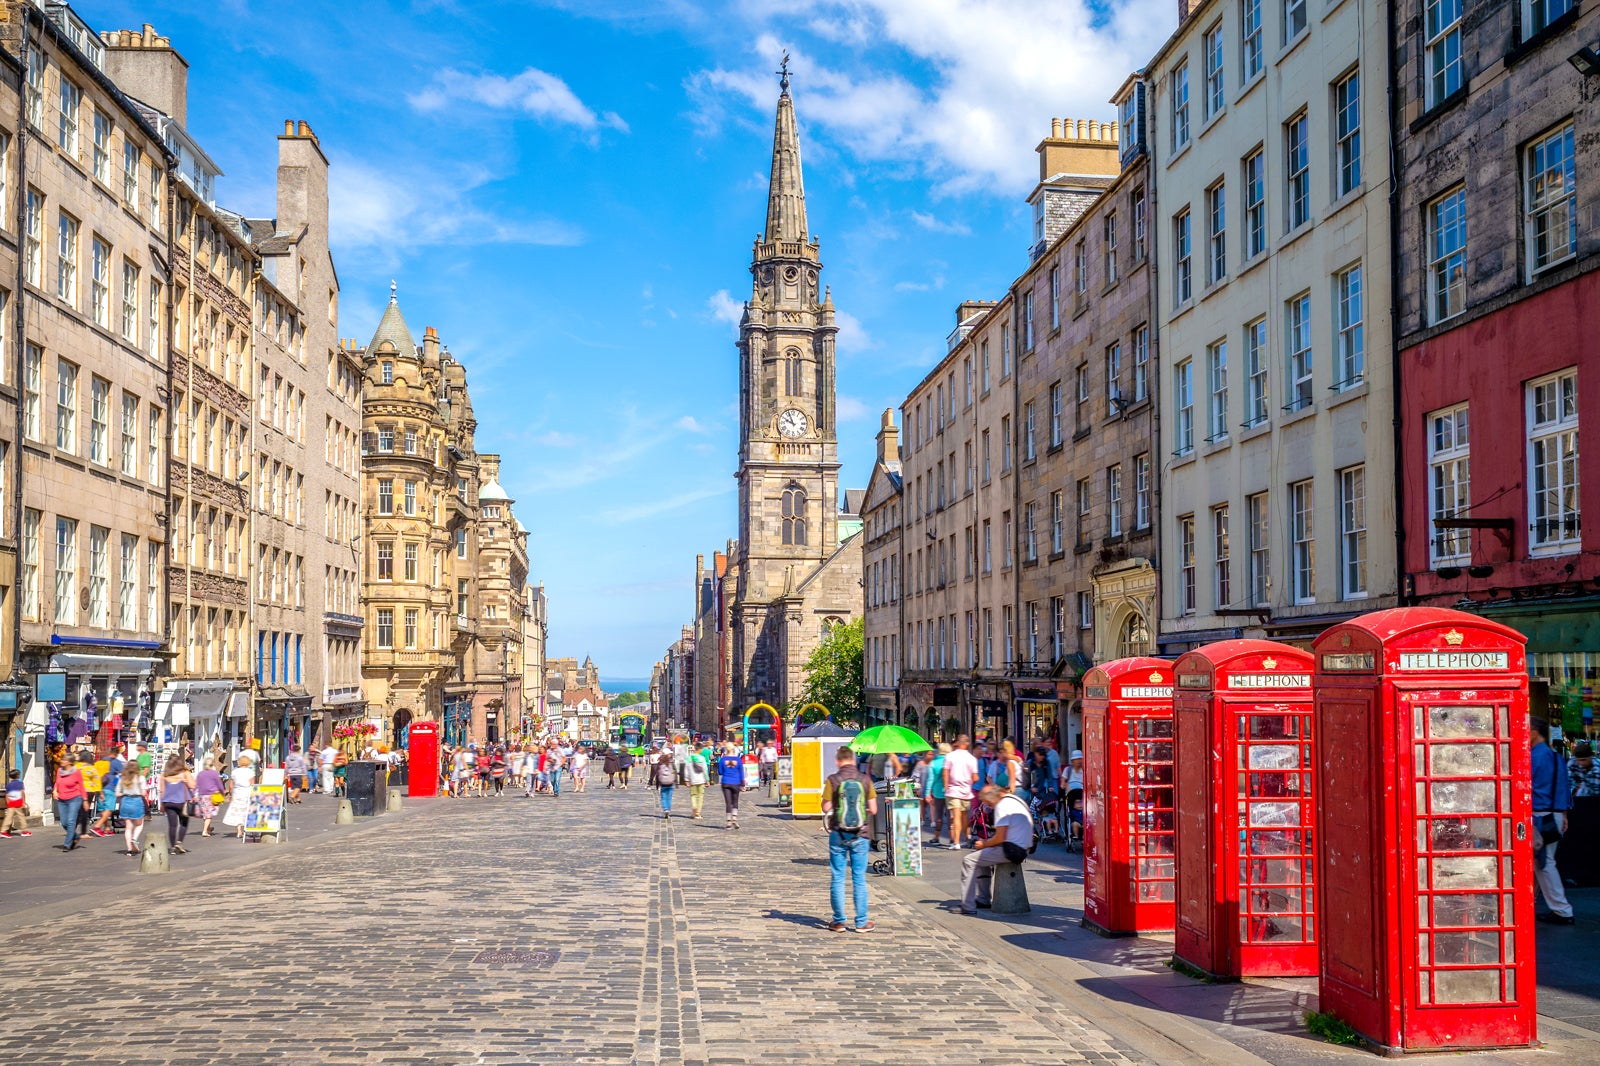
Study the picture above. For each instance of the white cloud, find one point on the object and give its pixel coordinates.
(371, 208)
(997, 72)
(934, 283)
(850, 409)
(536, 93)
(937, 225)
(672, 503)
(691, 424)
(725, 308)
(556, 439)
(853, 336)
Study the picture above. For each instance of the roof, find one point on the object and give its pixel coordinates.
(392, 329)
(825, 728)
(493, 493)
(853, 498)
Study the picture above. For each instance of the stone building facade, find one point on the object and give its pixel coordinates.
(880, 568)
(85, 339)
(795, 576)
(1497, 141)
(535, 633)
(495, 658)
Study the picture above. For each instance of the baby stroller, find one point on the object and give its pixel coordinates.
(1046, 810)
(1074, 824)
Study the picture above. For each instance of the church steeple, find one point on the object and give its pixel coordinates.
(786, 196)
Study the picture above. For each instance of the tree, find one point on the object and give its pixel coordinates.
(628, 699)
(834, 675)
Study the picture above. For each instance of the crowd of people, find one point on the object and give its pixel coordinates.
(534, 767)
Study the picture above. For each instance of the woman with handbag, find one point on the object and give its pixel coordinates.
(244, 783)
(177, 790)
(131, 806)
(211, 794)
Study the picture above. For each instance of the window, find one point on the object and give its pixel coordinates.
(794, 515)
(1182, 278)
(1260, 570)
(1057, 524)
(966, 379)
(32, 389)
(67, 258)
(152, 587)
(35, 92)
(1085, 610)
(1442, 48)
(130, 302)
(99, 421)
(1138, 224)
(130, 173)
(1056, 403)
(385, 627)
(153, 320)
(1027, 321)
(155, 195)
(410, 562)
(411, 498)
(34, 243)
(1447, 255)
(1552, 217)
(1250, 38)
(1183, 402)
(983, 361)
(1108, 231)
(386, 372)
(385, 436)
(386, 495)
(1255, 204)
(1081, 406)
(1216, 233)
(1553, 505)
(1217, 388)
(1294, 19)
(1005, 350)
(1186, 564)
(66, 406)
(30, 563)
(1297, 206)
(1211, 45)
(1347, 309)
(1030, 538)
(1537, 15)
(1347, 133)
(127, 583)
(152, 444)
(130, 434)
(1114, 500)
(385, 555)
(1080, 269)
(1009, 537)
(1114, 401)
(1009, 621)
(1449, 483)
(102, 147)
(1180, 106)
(1141, 491)
(1084, 502)
(1141, 364)
(1028, 454)
(99, 576)
(1300, 356)
(66, 605)
(1005, 443)
(988, 558)
(1221, 560)
(987, 461)
(1255, 368)
(71, 99)
(1055, 298)
(1353, 532)
(1033, 632)
(1058, 627)
(1303, 545)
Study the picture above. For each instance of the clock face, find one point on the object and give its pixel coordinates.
(792, 423)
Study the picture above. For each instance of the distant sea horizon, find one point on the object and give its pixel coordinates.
(613, 685)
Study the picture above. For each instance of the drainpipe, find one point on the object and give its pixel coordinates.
(20, 318)
(1394, 324)
(1154, 363)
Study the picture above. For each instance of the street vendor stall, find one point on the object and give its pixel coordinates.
(813, 750)
(899, 820)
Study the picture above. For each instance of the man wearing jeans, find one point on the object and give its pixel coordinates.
(847, 847)
(1552, 799)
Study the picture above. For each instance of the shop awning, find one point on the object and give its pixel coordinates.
(205, 699)
(82, 662)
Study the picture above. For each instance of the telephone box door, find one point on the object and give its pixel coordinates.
(422, 775)
(1468, 809)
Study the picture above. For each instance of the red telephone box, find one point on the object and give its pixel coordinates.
(1127, 797)
(1424, 870)
(1244, 788)
(422, 774)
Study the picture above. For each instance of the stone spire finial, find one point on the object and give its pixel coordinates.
(783, 74)
(786, 197)
(394, 294)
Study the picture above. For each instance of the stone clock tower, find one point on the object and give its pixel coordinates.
(788, 444)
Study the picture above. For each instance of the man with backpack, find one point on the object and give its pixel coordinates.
(1011, 841)
(848, 804)
(697, 773)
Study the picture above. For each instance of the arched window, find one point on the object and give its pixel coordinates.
(1135, 636)
(792, 373)
(794, 515)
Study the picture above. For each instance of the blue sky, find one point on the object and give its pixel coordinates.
(568, 190)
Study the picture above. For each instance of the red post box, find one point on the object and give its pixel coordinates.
(1244, 784)
(1127, 797)
(422, 760)
(1424, 869)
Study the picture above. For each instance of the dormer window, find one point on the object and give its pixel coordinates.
(1038, 219)
(388, 373)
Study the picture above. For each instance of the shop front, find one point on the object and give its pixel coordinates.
(1563, 660)
(282, 719)
(200, 712)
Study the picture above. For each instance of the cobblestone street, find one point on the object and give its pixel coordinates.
(579, 930)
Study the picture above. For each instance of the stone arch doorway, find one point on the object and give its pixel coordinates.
(930, 727)
(1133, 635)
(401, 728)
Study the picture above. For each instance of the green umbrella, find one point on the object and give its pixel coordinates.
(883, 739)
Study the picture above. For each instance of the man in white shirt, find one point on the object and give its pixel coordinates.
(768, 758)
(328, 754)
(960, 772)
(1013, 836)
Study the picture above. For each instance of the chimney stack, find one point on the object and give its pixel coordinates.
(888, 438)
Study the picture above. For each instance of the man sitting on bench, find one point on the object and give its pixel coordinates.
(1011, 841)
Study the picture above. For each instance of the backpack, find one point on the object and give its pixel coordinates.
(849, 805)
(665, 776)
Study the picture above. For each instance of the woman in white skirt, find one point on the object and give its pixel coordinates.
(244, 781)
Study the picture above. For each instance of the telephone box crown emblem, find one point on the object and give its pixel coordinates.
(1453, 637)
(1269, 663)
(1155, 677)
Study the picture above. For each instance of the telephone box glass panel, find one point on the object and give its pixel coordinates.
(1150, 814)
(1275, 818)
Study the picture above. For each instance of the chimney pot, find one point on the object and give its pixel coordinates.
(1094, 130)
(1055, 128)
(288, 127)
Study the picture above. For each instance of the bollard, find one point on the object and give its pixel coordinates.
(156, 856)
(394, 800)
(1009, 892)
(346, 815)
